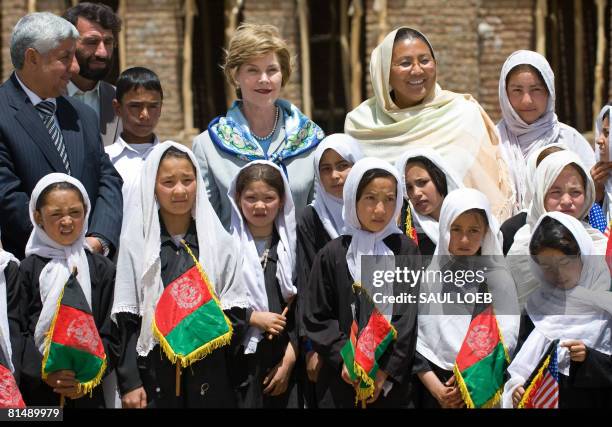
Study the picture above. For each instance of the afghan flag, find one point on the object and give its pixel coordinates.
(73, 342)
(542, 387)
(189, 322)
(482, 359)
(10, 397)
(371, 334)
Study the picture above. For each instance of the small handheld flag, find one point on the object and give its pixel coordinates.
(73, 342)
(10, 397)
(371, 334)
(482, 359)
(542, 387)
(189, 322)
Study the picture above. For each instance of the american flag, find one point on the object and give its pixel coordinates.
(545, 392)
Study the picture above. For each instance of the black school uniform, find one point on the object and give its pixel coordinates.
(426, 246)
(102, 275)
(251, 369)
(509, 229)
(311, 238)
(15, 313)
(205, 383)
(328, 320)
(589, 384)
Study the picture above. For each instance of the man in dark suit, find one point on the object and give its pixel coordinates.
(32, 109)
(99, 29)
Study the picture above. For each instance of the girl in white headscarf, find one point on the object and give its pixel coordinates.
(410, 110)
(572, 305)
(263, 226)
(321, 222)
(604, 160)
(513, 224)
(527, 100)
(59, 210)
(174, 218)
(427, 179)
(561, 183)
(469, 241)
(372, 202)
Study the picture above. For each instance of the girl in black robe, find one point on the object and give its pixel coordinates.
(372, 201)
(263, 226)
(59, 210)
(174, 226)
(573, 304)
(321, 221)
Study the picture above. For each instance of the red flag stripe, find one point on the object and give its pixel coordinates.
(547, 392)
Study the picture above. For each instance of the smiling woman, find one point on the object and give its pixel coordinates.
(259, 125)
(410, 110)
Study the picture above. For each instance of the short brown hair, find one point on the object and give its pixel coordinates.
(253, 40)
(260, 172)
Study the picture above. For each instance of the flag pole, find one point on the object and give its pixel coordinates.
(178, 379)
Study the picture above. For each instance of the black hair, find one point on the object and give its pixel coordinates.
(411, 34)
(369, 176)
(174, 152)
(527, 67)
(479, 212)
(95, 12)
(136, 77)
(260, 172)
(606, 115)
(435, 173)
(42, 199)
(554, 235)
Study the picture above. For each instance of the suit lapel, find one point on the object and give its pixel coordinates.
(27, 116)
(70, 124)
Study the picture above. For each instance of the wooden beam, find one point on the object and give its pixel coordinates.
(541, 15)
(123, 35)
(31, 6)
(579, 97)
(598, 86)
(232, 11)
(380, 7)
(190, 13)
(305, 57)
(357, 72)
(345, 51)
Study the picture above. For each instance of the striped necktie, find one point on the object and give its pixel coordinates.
(46, 110)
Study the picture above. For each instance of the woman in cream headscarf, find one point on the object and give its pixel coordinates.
(527, 100)
(410, 110)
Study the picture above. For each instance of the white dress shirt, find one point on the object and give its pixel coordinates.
(35, 99)
(91, 98)
(128, 159)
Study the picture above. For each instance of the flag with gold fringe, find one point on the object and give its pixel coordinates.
(189, 322)
(73, 342)
(482, 359)
(371, 334)
(542, 386)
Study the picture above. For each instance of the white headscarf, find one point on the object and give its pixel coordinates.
(425, 223)
(441, 335)
(328, 207)
(252, 272)
(519, 139)
(5, 339)
(546, 174)
(607, 202)
(532, 165)
(139, 285)
(584, 312)
(365, 242)
(63, 259)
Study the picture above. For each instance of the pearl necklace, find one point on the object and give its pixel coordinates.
(268, 136)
